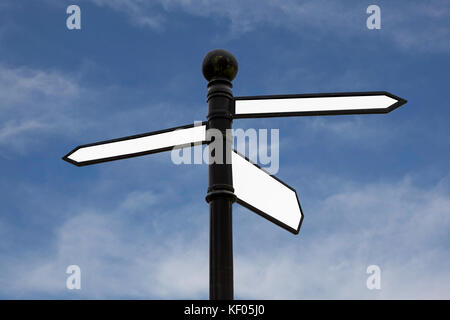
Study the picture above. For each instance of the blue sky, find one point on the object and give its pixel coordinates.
(374, 189)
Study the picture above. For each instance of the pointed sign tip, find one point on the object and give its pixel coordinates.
(400, 100)
(69, 160)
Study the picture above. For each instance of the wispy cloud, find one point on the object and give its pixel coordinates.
(410, 25)
(32, 102)
(37, 103)
(140, 11)
(419, 26)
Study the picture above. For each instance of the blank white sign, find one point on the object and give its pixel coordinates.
(137, 145)
(310, 105)
(265, 195)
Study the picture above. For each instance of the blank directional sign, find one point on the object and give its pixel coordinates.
(266, 195)
(316, 104)
(137, 145)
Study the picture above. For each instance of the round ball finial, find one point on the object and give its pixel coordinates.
(219, 63)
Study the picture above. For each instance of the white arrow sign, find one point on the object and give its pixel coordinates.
(266, 195)
(316, 104)
(137, 145)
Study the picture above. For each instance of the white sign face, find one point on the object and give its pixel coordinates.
(323, 104)
(260, 192)
(137, 145)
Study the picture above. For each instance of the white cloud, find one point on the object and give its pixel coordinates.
(33, 102)
(243, 16)
(24, 84)
(138, 199)
(140, 11)
(37, 103)
(398, 226)
(116, 260)
(418, 26)
(11, 129)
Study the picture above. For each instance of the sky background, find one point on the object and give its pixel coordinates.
(374, 189)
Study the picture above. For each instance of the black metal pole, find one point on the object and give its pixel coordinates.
(220, 68)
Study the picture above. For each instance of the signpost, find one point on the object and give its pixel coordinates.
(233, 178)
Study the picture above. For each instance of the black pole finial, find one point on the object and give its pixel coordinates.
(219, 64)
